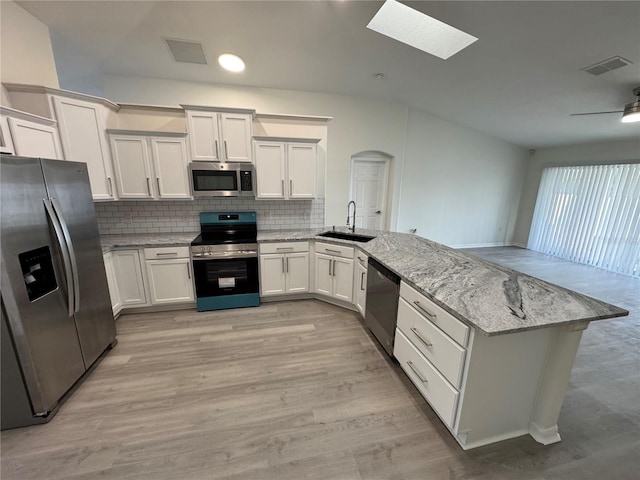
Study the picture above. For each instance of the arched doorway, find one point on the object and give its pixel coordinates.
(369, 189)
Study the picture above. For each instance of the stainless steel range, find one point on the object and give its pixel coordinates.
(225, 261)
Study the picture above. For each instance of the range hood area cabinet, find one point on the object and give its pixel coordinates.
(285, 167)
(150, 165)
(81, 121)
(219, 134)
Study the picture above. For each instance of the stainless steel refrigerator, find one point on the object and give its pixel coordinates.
(55, 305)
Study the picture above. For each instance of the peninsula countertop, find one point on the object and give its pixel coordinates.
(491, 298)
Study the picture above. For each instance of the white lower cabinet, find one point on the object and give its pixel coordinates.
(114, 293)
(484, 388)
(128, 273)
(169, 275)
(334, 271)
(360, 283)
(143, 277)
(284, 268)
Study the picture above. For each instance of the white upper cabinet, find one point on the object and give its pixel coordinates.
(235, 131)
(82, 132)
(133, 167)
(285, 170)
(219, 135)
(301, 166)
(6, 142)
(270, 169)
(170, 162)
(30, 139)
(150, 166)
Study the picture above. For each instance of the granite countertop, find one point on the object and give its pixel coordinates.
(491, 298)
(111, 242)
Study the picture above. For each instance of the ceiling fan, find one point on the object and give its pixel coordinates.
(631, 112)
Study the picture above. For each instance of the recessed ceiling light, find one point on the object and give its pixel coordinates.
(418, 30)
(231, 62)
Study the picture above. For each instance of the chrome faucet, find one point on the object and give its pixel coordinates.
(353, 223)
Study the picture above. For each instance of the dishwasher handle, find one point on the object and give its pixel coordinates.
(394, 277)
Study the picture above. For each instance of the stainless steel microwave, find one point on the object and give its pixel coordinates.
(210, 179)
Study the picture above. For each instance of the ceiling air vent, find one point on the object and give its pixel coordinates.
(186, 51)
(606, 65)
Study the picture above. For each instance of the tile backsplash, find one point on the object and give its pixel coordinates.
(182, 216)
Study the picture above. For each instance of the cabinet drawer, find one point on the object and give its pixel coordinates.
(284, 247)
(362, 259)
(443, 319)
(445, 354)
(431, 384)
(336, 250)
(161, 253)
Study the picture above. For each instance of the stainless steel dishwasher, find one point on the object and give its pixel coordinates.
(383, 289)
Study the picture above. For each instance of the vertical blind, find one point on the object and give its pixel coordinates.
(591, 215)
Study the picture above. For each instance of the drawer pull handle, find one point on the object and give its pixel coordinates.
(428, 314)
(362, 281)
(167, 254)
(284, 248)
(421, 338)
(282, 258)
(338, 252)
(418, 374)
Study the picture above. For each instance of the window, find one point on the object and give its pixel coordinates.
(591, 215)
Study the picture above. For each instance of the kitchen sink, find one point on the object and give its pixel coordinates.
(347, 236)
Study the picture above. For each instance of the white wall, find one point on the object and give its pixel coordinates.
(623, 151)
(459, 187)
(26, 55)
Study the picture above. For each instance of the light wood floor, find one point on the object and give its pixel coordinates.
(300, 390)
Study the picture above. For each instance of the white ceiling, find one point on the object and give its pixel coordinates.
(518, 82)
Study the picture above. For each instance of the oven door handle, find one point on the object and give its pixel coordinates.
(224, 255)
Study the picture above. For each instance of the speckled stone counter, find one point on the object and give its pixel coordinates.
(489, 297)
(110, 242)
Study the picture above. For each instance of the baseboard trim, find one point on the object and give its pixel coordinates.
(462, 439)
(545, 436)
(482, 245)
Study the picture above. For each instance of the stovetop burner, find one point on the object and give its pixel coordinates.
(224, 228)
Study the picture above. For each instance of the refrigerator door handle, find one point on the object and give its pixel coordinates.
(72, 255)
(65, 253)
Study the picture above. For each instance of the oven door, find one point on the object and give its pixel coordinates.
(214, 180)
(225, 276)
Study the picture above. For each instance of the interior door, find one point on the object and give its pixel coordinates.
(69, 189)
(369, 191)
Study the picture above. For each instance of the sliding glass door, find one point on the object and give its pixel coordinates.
(590, 214)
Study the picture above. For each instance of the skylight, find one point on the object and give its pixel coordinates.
(418, 30)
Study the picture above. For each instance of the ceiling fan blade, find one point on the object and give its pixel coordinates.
(594, 113)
